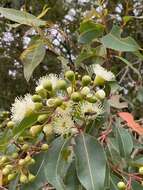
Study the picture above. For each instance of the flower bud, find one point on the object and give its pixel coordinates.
(10, 177)
(5, 171)
(58, 102)
(35, 130)
(91, 98)
(38, 106)
(86, 80)
(44, 147)
(4, 159)
(25, 147)
(42, 118)
(121, 185)
(23, 178)
(32, 161)
(21, 162)
(85, 91)
(27, 159)
(48, 129)
(10, 167)
(31, 177)
(41, 91)
(61, 84)
(36, 98)
(76, 97)
(48, 85)
(98, 81)
(141, 170)
(69, 90)
(10, 124)
(100, 94)
(70, 75)
(14, 155)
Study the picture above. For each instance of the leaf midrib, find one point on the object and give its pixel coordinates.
(88, 162)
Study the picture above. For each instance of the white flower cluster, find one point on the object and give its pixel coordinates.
(70, 107)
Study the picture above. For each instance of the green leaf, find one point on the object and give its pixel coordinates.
(90, 162)
(71, 180)
(125, 141)
(114, 41)
(32, 57)
(25, 123)
(136, 186)
(21, 17)
(50, 167)
(90, 31)
(130, 65)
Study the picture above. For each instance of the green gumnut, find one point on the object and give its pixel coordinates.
(42, 118)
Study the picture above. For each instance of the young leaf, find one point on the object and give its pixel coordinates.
(50, 167)
(89, 31)
(21, 17)
(90, 162)
(114, 41)
(131, 122)
(32, 57)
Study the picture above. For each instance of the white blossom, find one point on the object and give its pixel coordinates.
(21, 107)
(103, 73)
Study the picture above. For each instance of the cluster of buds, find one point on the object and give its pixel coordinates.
(63, 106)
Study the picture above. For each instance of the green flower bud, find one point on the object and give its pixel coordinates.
(76, 97)
(85, 91)
(14, 155)
(86, 80)
(141, 170)
(10, 177)
(61, 84)
(35, 130)
(4, 159)
(36, 98)
(41, 91)
(21, 139)
(23, 178)
(58, 102)
(51, 102)
(27, 159)
(10, 124)
(48, 129)
(31, 177)
(99, 81)
(91, 98)
(44, 147)
(48, 85)
(10, 167)
(5, 171)
(25, 147)
(100, 94)
(38, 106)
(32, 161)
(121, 185)
(70, 75)
(22, 162)
(69, 90)
(42, 118)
